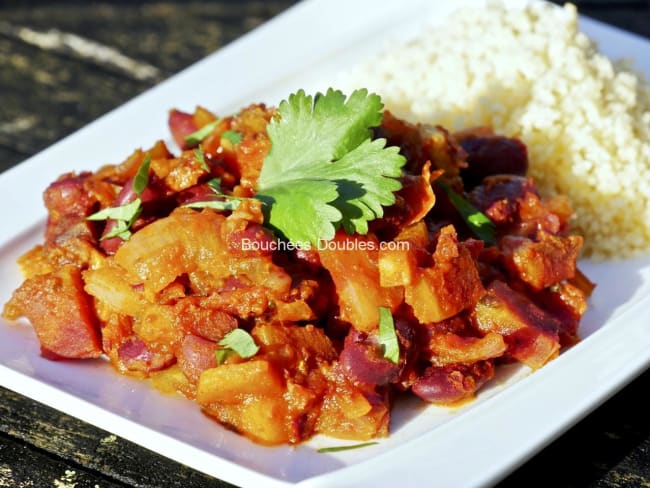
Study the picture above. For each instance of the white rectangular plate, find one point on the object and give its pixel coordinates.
(305, 47)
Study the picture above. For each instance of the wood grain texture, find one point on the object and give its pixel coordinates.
(47, 93)
(91, 452)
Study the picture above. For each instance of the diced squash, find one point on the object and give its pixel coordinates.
(396, 267)
(450, 286)
(109, 285)
(417, 234)
(157, 324)
(352, 263)
(202, 116)
(349, 412)
(172, 380)
(229, 383)
(252, 398)
(262, 419)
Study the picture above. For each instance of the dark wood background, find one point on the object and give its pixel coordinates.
(48, 90)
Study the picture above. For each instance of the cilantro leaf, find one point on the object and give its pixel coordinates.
(388, 336)
(362, 196)
(477, 221)
(200, 157)
(316, 214)
(121, 230)
(195, 138)
(125, 215)
(141, 178)
(236, 341)
(346, 448)
(215, 185)
(232, 136)
(323, 170)
(124, 212)
(228, 204)
(225, 202)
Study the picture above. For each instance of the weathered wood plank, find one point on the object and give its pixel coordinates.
(19, 462)
(51, 96)
(90, 448)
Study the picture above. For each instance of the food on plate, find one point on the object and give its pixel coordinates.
(295, 269)
(529, 73)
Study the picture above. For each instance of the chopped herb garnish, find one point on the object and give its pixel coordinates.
(388, 336)
(233, 136)
(141, 179)
(124, 212)
(323, 170)
(121, 229)
(477, 221)
(231, 203)
(236, 341)
(125, 215)
(346, 448)
(215, 185)
(200, 157)
(196, 137)
(225, 202)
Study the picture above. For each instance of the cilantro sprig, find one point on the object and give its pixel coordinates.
(196, 137)
(387, 335)
(479, 223)
(200, 158)
(125, 215)
(323, 170)
(323, 450)
(236, 341)
(232, 136)
(225, 202)
(230, 203)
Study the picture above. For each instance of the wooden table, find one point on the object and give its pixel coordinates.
(48, 89)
